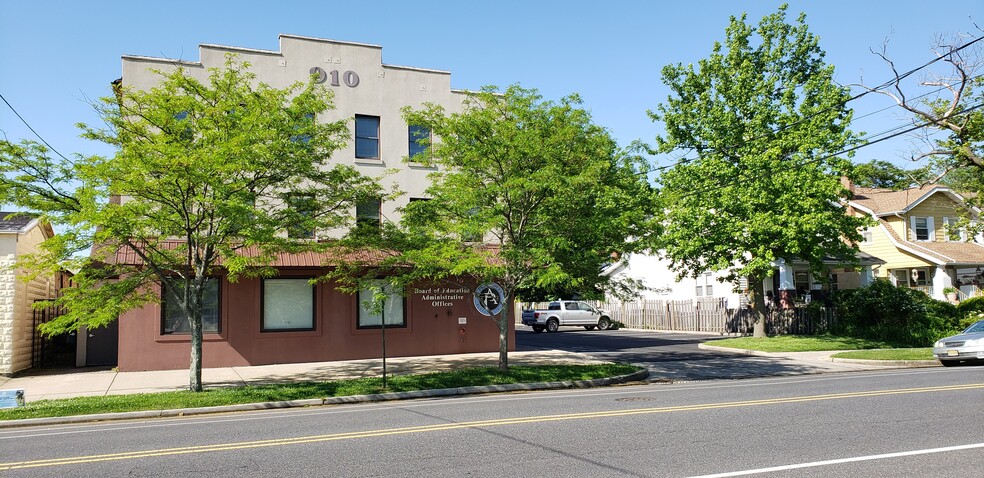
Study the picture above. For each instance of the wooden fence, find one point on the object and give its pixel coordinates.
(712, 315)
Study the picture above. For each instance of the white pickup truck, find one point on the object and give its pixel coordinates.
(566, 312)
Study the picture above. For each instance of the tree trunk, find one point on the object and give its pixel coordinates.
(758, 305)
(503, 323)
(193, 301)
(195, 372)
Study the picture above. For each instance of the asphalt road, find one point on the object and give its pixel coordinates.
(668, 356)
(912, 422)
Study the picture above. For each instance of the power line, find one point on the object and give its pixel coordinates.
(52, 148)
(838, 153)
(883, 85)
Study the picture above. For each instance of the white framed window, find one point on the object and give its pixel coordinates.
(917, 277)
(393, 309)
(867, 235)
(952, 232)
(705, 285)
(922, 228)
(288, 304)
(366, 137)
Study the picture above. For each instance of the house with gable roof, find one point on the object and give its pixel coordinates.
(19, 235)
(917, 237)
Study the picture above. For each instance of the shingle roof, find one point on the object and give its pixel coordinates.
(941, 252)
(10, 223)
(128, 256)
(887, 201)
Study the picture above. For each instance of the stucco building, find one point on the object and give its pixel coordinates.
(286, 319)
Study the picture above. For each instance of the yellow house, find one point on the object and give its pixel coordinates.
(917, 238)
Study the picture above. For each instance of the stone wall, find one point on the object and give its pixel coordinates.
(7, 288)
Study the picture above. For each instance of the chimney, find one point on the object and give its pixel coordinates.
(849, 185)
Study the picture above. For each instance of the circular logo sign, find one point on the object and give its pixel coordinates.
(490, 298)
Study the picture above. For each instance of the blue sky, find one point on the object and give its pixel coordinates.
(56, 57)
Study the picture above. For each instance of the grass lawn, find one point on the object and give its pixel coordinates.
(800, 343)
(306, 390)
(889, 354)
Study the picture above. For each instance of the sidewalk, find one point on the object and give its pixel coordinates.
(108, 382)
(827, 357)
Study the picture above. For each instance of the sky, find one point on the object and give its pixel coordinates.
(57, 57)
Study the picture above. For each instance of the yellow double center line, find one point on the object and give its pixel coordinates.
(473, 424)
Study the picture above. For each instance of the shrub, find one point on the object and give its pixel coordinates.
(971, 310)
(881, 311)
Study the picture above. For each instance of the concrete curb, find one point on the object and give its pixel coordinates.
(890, 363)
(317, 402)
(883, 363)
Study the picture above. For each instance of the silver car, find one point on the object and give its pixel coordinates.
(968, 346)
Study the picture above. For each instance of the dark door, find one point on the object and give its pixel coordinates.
(101, 347)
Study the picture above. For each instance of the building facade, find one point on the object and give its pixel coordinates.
(918, 237)
(20, 235)
(286, 319)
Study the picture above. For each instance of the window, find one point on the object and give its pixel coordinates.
(175, 321)
(367, 213)
(922, 228)
(866, 235)
(367, 137)
(952, 231)
(419, 137)
(911, 277)
(304, 137)
(705, 285)
(303, 212)
(288, 304)
(392, 309)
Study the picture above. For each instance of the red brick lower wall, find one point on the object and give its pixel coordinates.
(432, 328)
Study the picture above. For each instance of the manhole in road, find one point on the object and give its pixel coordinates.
(634, 399)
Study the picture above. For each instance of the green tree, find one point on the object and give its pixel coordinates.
(207, 179)
(528, 193)
(885, 175)
(762, 115)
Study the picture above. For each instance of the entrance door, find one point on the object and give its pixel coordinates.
(102, 344)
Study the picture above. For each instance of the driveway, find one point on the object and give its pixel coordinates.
(676, 357)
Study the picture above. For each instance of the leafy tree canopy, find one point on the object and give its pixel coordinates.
(762, 118)
(209, 177)
(885, 175)
(528, 193)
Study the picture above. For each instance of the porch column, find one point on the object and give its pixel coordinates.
(787, 287)
(867, 276)
(941, 279)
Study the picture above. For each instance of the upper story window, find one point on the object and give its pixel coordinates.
(367, 213)
(867, 235)
(303, 207)
(922, 228)
(705, 285)
(304, 138)
(366, 137)
(419, 137)
(952, 231)
(175, 321)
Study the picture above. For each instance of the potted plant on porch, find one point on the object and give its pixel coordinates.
(951, 294)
